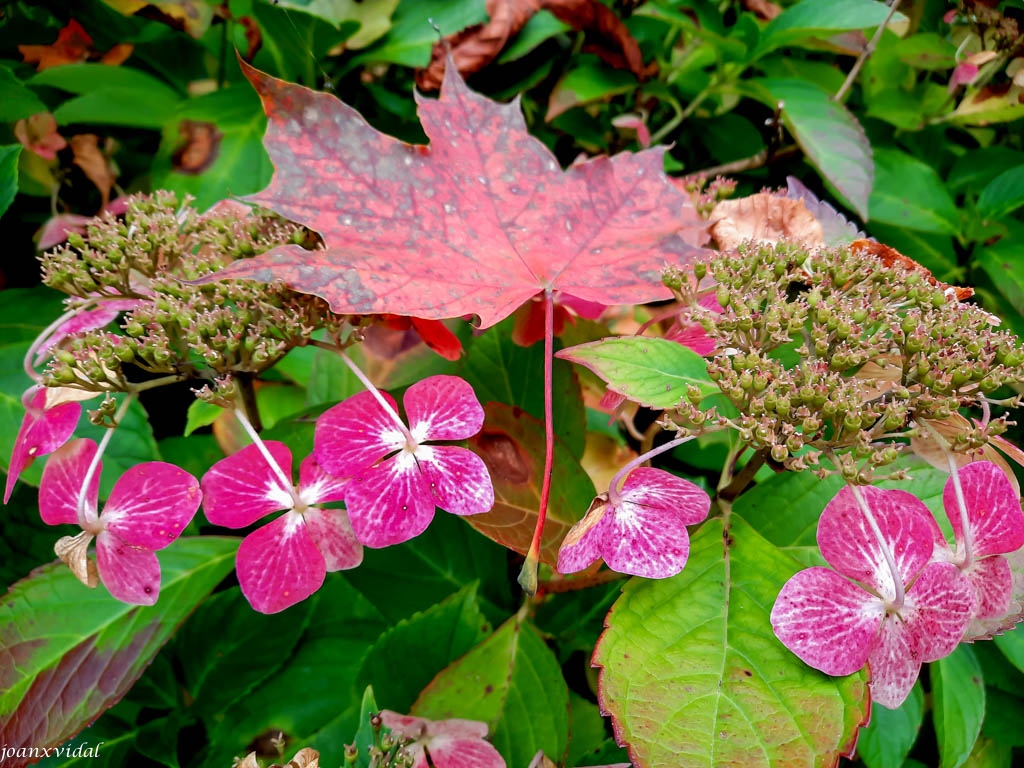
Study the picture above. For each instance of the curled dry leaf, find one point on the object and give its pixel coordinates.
(94, 163)
(73, 551)
(474, 48)
(199, 148)
(765, 9)
(38, 134)
(928, 447)
(765, 218)
(73, 45)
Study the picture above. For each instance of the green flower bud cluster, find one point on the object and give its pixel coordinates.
(210, 331)
(836, 351)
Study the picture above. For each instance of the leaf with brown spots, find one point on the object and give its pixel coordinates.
(68, 653)
(478, 222)
(511, 443)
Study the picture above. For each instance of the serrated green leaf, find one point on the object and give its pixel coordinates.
(813, 17)
(909, 193)
(828, 133)
(958, 695)
(71, 652)
(9, 155)
(415, 27)
(406, 657)
(690, 666)
(1003, 195)
(512, 682)
(372, 16)
(653, 372)
(201, 414)
(888, 738)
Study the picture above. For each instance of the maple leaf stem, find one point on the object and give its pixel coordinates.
(886, 551)
(364, 379)
(615, 485)
(284, 480)
(88, 518)
(528, 574)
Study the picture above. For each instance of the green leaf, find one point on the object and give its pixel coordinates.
(589, 80)
(588, 732)
(79, 650)
(975, 169)
(237, 165)
(541, 26)
(1012, 646)
(372, 16)
(927, 50)
(958, 694)
(691, 666)
(909, 193)
(988, 753)
(415, 27)
(92, 78)
(1003, 263)
(201, 414)
(1003, 195)
(364, 738)
(9, 154)
(653, 372)
(406, 657)
(512, 682)
(814, 17)
(16, 101)
(1004, 713)
(828, 133)
(887, 739)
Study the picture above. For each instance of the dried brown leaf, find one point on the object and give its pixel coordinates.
(94, 163)
(73, 550)
(765, 218)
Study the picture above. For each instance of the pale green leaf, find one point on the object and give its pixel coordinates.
(814, 17)
(958, 693)
(909, 193)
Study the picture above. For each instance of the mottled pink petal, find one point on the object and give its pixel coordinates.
(151, 504)
(278, 565)
(42, 431)
(333, 535)
(242, 488)
(457, 478)
(318, 487)
(963, 74)
(131, 574)
(828, 622)
(408, 726)
(57, 228)
(355, 434)
(938, 608)
(849, 545)
(455, 752)
(993, 509)
(992, 580)
(664, 491)
(894, 665)
(443, 408)
(581, 547)
(90, 320)
(389, 503)
(692, 335)
(62, 481)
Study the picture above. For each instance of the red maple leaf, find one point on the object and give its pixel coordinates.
(478, 222)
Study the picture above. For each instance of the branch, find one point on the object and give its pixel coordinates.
(865, 54)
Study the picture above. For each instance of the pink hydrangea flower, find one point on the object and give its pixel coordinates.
(149, 506)
(43, 430)
(995, 526)
(642, 530)
(450, 743)
(397, 477)
(287, 560)
(838, 620)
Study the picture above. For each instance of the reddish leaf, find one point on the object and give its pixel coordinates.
(478, 223)
(73, 44)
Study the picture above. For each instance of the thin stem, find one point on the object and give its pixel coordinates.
(897, 580)
(604, 576)
(865, 54)
(528, 574)
(247, 392)
(142, 386)
(364, 379)
(285, 481)
(738, 482)
(89, 518)
(965, 546)
(617, 480)
(759, 160)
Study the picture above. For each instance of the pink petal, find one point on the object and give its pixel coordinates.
(963, 74)
(992, 580)
(407, 726)
(278, 565)
(849, 545)
(443, 408)
(389, 503)
(62, 482)
(151, 504)
(457, 478)
(355, 434)
(42, 431)
(333, 535)
(89, 320)
(581, 547)
(828, 622)
(664, 491)
(57, 228)
(693, 336)
(590, 310)
(894, 665)
(318, 487)
(454, 752)
(938, 608)
(131, 574)
(993, 509)
(242, 488)
(456, 728)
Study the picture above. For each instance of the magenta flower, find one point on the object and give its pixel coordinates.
(287, 560)
(148, 508)
(995, 526)
(398, 478)
(43, 430)
(641, 530)
(450, 743)
(885, 603)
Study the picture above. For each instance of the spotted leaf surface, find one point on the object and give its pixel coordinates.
(476, 223)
